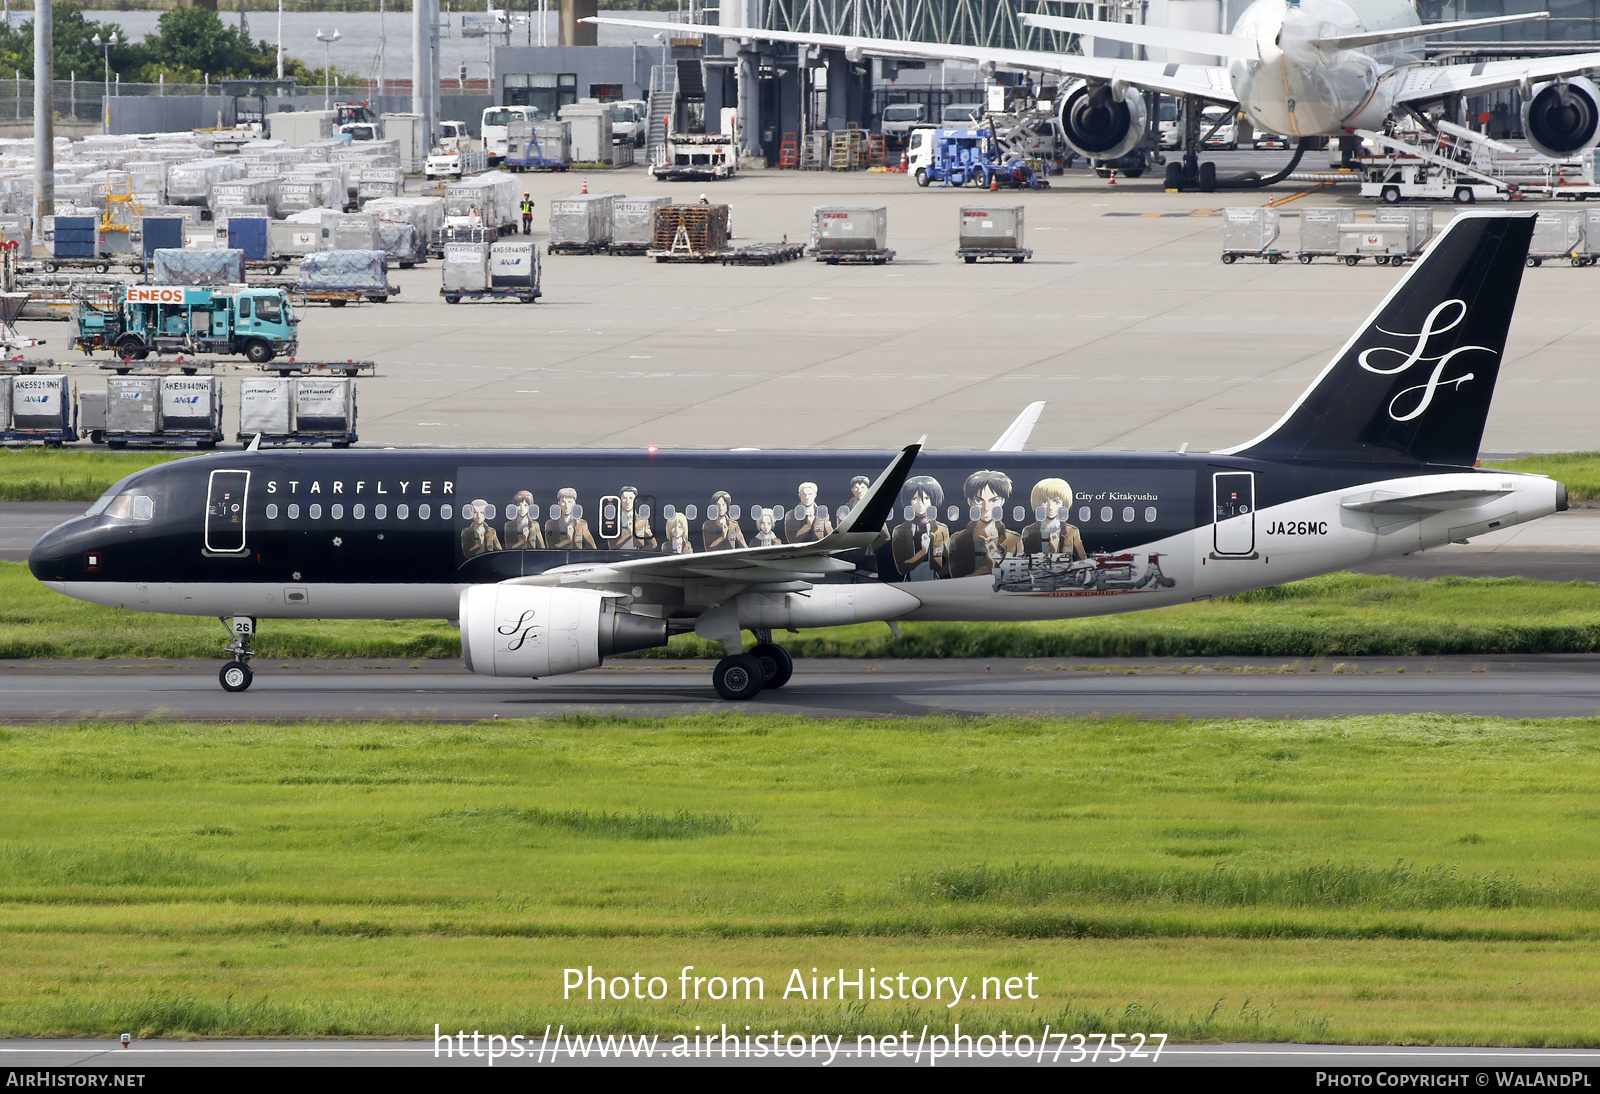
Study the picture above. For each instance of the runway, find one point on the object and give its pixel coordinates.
(1558, 685)
(149, 1054)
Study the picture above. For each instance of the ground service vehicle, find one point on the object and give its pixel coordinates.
(1372, 461)
(899, 118)
(259, 323)
(495, 121)
(952, 157)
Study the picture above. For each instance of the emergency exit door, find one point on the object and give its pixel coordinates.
(1234, 527)
(225, 512)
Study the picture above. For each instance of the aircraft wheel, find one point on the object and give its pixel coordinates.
(776, 663)
(235, 676)
(1208, 176)
(1174, 176)
(739, 677)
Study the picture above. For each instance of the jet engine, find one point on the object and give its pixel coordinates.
(1563, 117)
(535, 631)
(1097, 125)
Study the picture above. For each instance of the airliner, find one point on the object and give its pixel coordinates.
(1306, 68)
(550, 561)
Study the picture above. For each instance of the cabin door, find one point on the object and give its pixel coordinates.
(225, 511)
(1234, 530)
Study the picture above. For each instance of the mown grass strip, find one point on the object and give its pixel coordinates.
(1336, 615)
(1580, 471)
(607, 825)
(69, 474)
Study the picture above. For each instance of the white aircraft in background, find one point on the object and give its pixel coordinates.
(1307, 68)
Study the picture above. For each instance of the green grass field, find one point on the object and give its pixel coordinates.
(1338, 615)
(78, 474)
(1410, 879)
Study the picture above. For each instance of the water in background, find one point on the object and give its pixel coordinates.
(357, 48)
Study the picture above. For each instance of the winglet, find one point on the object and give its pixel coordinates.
(1017, 433)
(867, 519)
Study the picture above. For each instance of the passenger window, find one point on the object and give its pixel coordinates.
(1019, 514)
(533, 512)
(314, 512)
(692, 512)
(488, 511)
(734, 512)
(446, 510)
(380, 511)
(1105, 514)
(777, 512)
(272, 511)
(336, 511)
(401, 512)
(358, 511)
(668, 512)
(294, 512)
(422, 512)
(1150, 514)
(1127, 513)
(952, 514)
(822, 512)
(1083, 514)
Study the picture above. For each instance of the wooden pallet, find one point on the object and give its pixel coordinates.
(763, 254)
(689, 233)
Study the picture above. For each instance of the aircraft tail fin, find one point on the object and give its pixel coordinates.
(1415, 381)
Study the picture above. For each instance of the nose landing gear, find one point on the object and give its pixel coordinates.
(236, 675)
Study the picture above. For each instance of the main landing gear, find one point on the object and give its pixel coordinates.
(746, 675)
(236, 674)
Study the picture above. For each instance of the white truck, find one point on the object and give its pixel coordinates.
(457, 154)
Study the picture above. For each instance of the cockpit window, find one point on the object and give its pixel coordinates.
(128, 507)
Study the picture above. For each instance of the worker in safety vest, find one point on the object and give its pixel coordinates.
(527, 215)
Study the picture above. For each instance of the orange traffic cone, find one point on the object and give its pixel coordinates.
(585, 189)
(1113, 177)
(905, 163)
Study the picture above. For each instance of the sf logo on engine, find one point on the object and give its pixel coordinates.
(524, 628)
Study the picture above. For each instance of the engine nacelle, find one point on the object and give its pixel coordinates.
(1562, 118)
(1099, 127)
(536, 631)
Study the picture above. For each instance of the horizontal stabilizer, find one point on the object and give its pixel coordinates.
(1429, 501)
(1192, 41)
(1424, 30)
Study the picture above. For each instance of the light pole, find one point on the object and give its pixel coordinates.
(327, 67)
(105, 45)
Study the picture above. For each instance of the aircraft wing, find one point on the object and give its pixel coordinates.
(784, 564)
(1425, 83)
(1206, 81)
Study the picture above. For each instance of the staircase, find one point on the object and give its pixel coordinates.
(663, 105)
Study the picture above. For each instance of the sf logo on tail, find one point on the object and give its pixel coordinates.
(1423, 393)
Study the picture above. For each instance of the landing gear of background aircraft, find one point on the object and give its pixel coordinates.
(776, 664)
(739, 676)
(236, 674)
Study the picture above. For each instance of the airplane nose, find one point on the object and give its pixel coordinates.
(47, 560)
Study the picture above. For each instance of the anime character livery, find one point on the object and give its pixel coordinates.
(1374, 460)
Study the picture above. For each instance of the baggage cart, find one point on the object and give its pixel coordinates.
(40, 408)
(849, 234)
(305, 410)
(1591, 235)
(505, 270)
(538, 146)
(580, 224)
(992, 232)
(1419, 221)
(92, 416)
(163, 409)
(187, 266)
(1383, 243)
(337, 278)
(1558, 234)
(689, 233)
(402, 244)
(1319, 232)
(1250, 232)
(633, 221)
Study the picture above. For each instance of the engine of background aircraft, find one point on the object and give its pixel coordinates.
(1563, 117)
(1099, 127)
